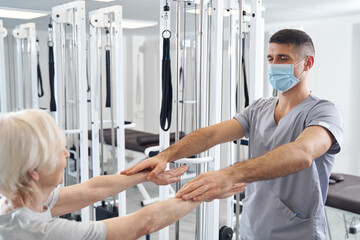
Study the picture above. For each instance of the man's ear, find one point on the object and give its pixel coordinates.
(309, 63)
(34, 175)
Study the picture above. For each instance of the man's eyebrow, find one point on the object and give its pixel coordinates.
(283, 55)
(278, 55)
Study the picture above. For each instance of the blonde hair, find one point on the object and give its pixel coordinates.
(29, 140)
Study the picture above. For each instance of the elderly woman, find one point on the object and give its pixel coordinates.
(32, 160)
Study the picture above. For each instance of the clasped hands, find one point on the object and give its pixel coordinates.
(205, 187)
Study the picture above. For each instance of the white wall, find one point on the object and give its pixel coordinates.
(335, 76)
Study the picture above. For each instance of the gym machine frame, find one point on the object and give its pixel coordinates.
(21, 33)
(207, 221)
(3, 85)
(72, 13)
(250, 26)
(109, 19)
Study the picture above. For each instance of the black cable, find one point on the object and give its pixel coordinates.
(52, 75)
(246, 90)
(166, 102)
(39, 77)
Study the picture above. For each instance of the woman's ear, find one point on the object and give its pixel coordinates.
(34, 175)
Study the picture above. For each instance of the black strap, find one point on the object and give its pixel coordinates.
(40, 83)
(166, 102)
(51, 79)
(108, 79)
(246, 90)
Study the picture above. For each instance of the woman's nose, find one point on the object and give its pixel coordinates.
(67, 153)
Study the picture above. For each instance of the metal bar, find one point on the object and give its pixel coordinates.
(200, 209)
(164, 137)
(3, 83)
(200, 160)
(240, 74)
(178, 19)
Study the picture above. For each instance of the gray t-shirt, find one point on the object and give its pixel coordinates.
(289, 207)
(23, 223)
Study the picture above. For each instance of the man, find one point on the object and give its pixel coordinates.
(293, 140)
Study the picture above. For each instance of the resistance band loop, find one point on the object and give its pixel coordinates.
(166, 102)
(51, 72)
(108, 88)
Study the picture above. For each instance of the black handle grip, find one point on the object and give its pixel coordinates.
(51, 78)
(108, 79)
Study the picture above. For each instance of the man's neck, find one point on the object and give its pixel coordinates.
(290, 99)
(293, 97)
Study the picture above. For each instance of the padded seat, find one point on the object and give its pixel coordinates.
(345, 194)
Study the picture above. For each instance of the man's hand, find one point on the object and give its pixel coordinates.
(170, 176)
(157, 164)
(208, 186)
(237, 188)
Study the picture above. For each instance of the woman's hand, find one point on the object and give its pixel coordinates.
(170, 176)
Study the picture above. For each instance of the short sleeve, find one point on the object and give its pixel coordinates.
(244, 117)
(52, 199)
(327, 115)
(60, 228)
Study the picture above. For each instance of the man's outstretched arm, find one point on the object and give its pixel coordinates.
(194, 143)
(284, 160)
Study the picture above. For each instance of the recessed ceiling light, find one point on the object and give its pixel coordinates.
(103, 0)
(20, 13)
(132, 24)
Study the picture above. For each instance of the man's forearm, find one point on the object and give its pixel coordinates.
(284, 160)
(194, 143)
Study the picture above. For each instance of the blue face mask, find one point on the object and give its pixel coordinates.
(281, 76)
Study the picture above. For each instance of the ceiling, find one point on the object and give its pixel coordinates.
(148, 10)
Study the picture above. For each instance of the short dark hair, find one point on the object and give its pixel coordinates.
(299, 39)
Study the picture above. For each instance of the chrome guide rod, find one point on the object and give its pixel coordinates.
(240, 74)
(110, 46)
(200, 209)
(178, 18)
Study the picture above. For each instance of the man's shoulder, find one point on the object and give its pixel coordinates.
(263, 102)
(322, 103)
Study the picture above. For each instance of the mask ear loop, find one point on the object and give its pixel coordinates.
(304, 69)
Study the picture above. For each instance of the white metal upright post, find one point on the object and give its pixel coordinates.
(110, 18)
(3, 82)
(164, 137)
(256, 59)
(26, 31)
(234, 18)
(215, 111)
(73, 13)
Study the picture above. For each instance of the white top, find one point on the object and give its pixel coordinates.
(23, 223)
